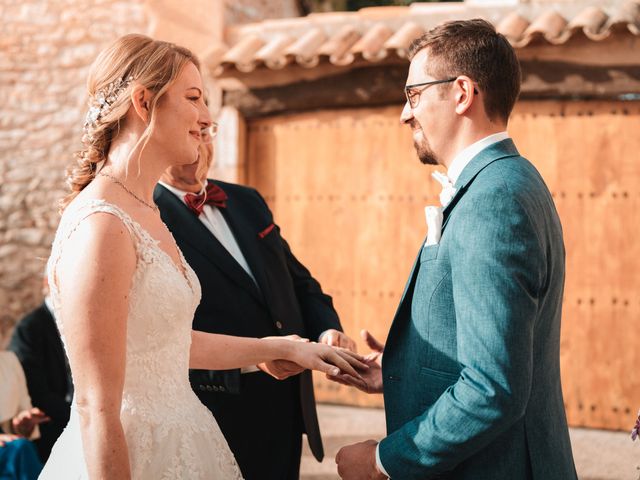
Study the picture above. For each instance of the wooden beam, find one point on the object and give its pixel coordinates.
(556, 80)
(377, 86)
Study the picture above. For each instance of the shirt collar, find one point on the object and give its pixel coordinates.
(49, 303)
(463, 158)
(176, 191)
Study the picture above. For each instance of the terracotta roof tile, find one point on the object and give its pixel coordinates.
(373, 34)
(401, 40)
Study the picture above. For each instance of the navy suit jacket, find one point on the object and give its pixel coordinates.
(286, 300)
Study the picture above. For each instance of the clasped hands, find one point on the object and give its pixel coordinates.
(344, 357)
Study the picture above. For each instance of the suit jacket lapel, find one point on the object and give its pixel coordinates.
(503, 149)
(246, 235)
(497, 151)
(176, 213)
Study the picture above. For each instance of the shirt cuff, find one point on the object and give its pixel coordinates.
(379, 463)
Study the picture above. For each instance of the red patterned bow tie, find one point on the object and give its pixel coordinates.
(213, 195)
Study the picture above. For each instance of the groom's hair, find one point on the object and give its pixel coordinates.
(474, 48)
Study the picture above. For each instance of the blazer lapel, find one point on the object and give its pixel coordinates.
(246, 235)
(497, 151)
(192, 231)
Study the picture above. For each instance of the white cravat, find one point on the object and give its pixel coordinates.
(433, 215)
(216, 224)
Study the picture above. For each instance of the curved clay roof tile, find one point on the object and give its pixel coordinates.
(550, 25)
(338, 46)
(513, 26)
(273, 53)
(591, 21)
(304, 50)
(403, 38)
(242, 54)
(627, 16)
(371, 45)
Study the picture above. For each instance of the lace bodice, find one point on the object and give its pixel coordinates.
(158, 406)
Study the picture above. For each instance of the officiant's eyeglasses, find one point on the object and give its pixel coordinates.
(211, 131)
(412, 92)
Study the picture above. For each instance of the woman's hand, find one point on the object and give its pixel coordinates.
(329, 360)
(283, 369)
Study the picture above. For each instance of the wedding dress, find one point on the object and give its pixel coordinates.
(169, 433)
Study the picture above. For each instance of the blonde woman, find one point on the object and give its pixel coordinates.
(123, 294)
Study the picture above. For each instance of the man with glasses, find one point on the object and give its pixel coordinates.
(471, 369)
(252, 286)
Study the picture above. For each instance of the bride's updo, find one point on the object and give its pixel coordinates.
(132, 59)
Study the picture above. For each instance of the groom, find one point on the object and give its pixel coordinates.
(252, 286)
(471, 373)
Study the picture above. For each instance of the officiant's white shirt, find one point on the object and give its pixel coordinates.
(460, 161)
(217, 225)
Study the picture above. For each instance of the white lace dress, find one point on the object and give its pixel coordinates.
(169, 433)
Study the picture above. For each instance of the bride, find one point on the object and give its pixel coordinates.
(123, 294)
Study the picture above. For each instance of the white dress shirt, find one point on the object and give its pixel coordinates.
(460, 161)
(217, 225)
(463, 158)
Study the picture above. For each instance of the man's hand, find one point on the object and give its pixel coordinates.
(336, 338)
(371, 379)
(358, 462)
(25, 421)
(283, 369)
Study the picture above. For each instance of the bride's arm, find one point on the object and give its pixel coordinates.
(224, 352)
(94, 277)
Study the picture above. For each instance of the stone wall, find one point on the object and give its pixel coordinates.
(46, 48)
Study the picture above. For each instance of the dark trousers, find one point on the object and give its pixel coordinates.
(263, 426)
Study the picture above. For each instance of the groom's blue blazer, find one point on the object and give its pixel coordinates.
(471, 365)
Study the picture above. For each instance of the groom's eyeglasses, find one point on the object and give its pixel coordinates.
(412, 92)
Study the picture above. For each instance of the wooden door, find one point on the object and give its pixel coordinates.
(349, 193)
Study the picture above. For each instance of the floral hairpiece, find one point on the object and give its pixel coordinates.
(103, 100)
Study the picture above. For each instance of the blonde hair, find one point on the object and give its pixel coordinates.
(130, 60)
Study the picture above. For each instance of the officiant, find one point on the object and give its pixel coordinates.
(252, 286)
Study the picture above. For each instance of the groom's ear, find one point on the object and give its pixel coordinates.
(465, 92)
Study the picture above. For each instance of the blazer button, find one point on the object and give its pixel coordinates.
(215, 388)
(279, 325)
(209, 388)
(221, 388)
(202, 388)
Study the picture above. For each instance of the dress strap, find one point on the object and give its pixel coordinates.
(74, 215)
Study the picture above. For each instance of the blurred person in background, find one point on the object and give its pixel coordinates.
(37, 344)
(19, 422)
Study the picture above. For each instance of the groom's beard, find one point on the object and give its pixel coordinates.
(425, 154)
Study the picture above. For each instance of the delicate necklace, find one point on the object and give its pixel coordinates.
(115, 180)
